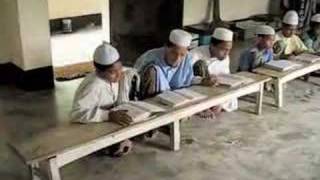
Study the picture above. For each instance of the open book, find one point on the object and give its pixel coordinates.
(138, 111)
(282, 65)
(179, 97)
(233, 80)
(307, 58)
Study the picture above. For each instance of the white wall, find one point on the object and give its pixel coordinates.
(71, 8)
(10, 41)
(197, 11)
(35, 36)
(235, 9)
(24, 33)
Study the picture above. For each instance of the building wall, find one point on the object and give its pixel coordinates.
(197, 11)
(10, 40)
(34, 29)
(71, 8)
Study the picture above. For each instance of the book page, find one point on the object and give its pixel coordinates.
(148, 106)
(137, 114)
(190, 94)
(172, 99)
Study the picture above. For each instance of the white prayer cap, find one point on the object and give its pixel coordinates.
(223, 34)
(316, 18)
(265, 30)
(291, 18)
(180, 38)
(105, 54)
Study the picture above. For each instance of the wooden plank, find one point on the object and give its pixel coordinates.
(74, 143)
(50, 142)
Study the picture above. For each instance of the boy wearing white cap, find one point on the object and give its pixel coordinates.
(168, 67)
(99, 91)
(261, 52)
(214, 60)
(311, 38)
(288, 44)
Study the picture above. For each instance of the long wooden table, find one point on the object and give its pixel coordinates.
(54, 148)
(280, 78)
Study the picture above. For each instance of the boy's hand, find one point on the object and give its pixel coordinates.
(120, 117)
(212, 80)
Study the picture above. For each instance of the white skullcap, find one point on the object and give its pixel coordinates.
(316, 18)
(180, 38)
(291, 18)
(105, 54)
(223, 34)
(265, 30)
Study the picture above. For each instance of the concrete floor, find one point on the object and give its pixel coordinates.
(278, 145)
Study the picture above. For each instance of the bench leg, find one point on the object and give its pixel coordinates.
(259, 100)
(51, 169)
(34, 169)
(279, 93)
(175, 135)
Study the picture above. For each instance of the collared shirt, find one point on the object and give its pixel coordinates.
(215, 66)
(311, 41)
(292, 44)
(252, 58)
(93, 98)
(167, 77)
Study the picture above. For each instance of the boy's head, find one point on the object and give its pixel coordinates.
(221, 43)
(107, 63)
(177, 47)
(290, 23)
(315, 24)
(265, 37)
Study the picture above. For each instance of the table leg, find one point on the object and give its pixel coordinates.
(259, 99)
(52, 169)
(279, 93)
(175, 135)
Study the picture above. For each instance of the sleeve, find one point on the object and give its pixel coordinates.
(86, 108)
(226, 66)
(301, 46)
(195, 55)
(244, 64)
(189, 71)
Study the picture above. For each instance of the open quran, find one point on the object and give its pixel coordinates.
(138, 111)
(179, 97)
(282, 65)
(233, 80)
(307, 58)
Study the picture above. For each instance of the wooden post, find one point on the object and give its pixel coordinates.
(278, 93)
(51, 169)
(34, 169)
(175, 135)
(259, 99)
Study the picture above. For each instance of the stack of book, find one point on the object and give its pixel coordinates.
(282, 65)
(307, 58)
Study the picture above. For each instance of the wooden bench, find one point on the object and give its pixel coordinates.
(57, 147)
(280, 78)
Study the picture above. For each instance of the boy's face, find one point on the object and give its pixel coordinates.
(221, 50)
(266, 41)
(288, 30)
(114, 73)
(175, 54)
